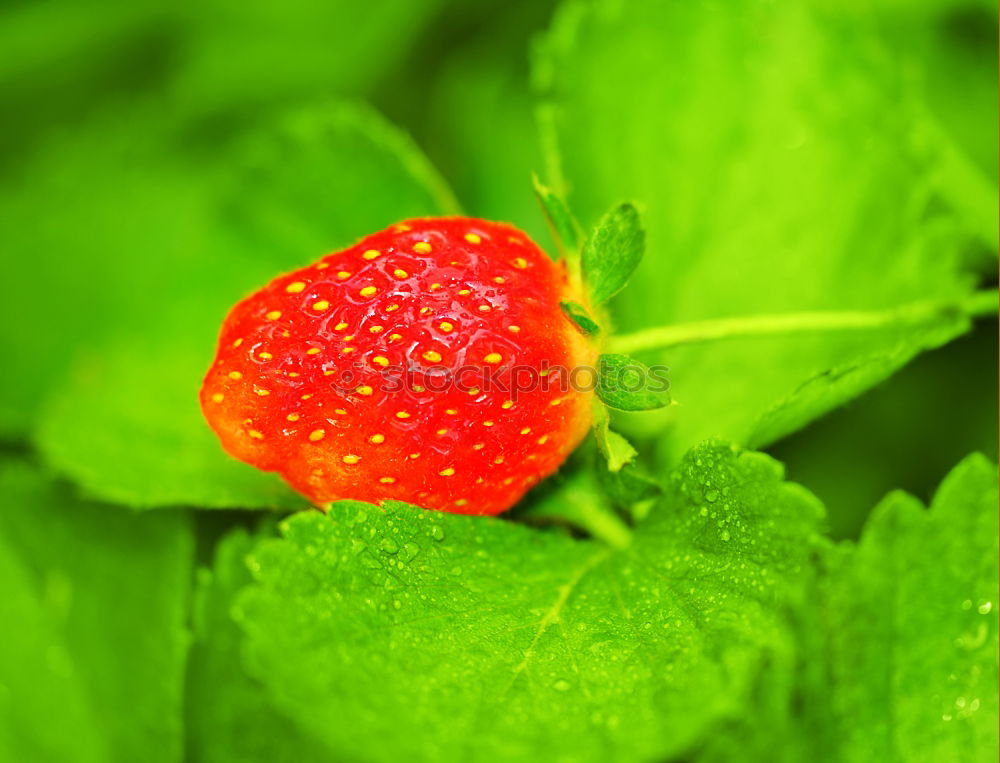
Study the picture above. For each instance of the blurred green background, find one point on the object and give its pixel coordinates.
(159, 160)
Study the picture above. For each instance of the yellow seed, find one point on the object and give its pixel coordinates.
(368, 291)
(445, 326)
(499, 279)
(526, 430)
(451, 412)
(351, 459)
(441, 432)
(256, 435)
(387, 480)
(313, 351)
(426, 310)
(392, 308)
(340, 411)
(347, 350)
(377, 329)
(498, 460)
(487, 423)
(474, 391)
(472, 238)
(323, 266)
(395, 337)
(402, 415)
(414, 456)
(543, 439)
(377, 439)
(340, 326)
(273, 315)
(507, 404)
(514, 240)
(464, 292)
(378, 360)
(316, 435)
(461, 502)
(447, 472)
(400, 273)
(263, 392)
(435, 286)
(295, 287)
(293, 417)
(343, 275)
(484, 308)
(293, 374)
(371, 254)
(479, 446)
(400, 228)
(422, 247)
(237, 343)
(514, 329)
(365, 390)
(218, 397)
(349, 337)
(417, 388)
(235, 375)
(321, 305)
(328, 373)
(306, 396)
(432, 357)
(493, 358)
(519, 262)
(265, 356)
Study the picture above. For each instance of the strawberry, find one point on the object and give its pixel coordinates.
(415, 365)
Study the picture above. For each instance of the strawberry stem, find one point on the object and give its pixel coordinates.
(980, 303)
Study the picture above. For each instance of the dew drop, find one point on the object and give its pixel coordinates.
(437, 532)
(389, 546)
(984, 608)
(562, 685)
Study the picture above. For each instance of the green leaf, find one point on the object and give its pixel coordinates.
(628, 385)
(580, 317)
(371, 625)
(229, 715)
(912, 617)
(126, 423)
(773, 179)
(564, 228)
(94, 608)
(612, 252)
(616, 450)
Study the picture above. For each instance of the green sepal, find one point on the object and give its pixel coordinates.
(563, 226)
(612, 252)
(628, 385)
(617, 451)
(580, 318)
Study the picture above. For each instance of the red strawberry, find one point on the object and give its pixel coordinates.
(384, 371)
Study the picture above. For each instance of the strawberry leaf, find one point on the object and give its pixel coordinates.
(532, 644)
(231, 717)
(912, 617)
(616, 450)
(581, 318)
(95, 607)
(629, 385)
(612, 252)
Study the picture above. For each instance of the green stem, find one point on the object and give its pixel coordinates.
(978, 304)
(603, 523)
